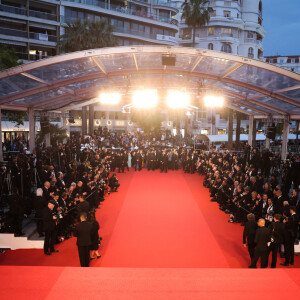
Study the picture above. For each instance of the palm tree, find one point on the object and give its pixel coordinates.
(196, 14)
(86, 35)
(101, 35)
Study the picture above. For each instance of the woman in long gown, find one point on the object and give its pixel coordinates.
(95, 238)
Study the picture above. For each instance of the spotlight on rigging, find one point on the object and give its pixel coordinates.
(213, 101)
(168, 60)
(110, 98)
(145, 98)
(177, 99)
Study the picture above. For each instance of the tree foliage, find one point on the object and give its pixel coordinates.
(86, 35)
(196, 14)
(149, 121)
(57, 135)
(8, 57)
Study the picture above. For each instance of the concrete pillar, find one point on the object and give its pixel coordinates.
(31, 129)
(250, 131)
(84, 121)
(254, 134)
(267, 146)
(91, 119)
(238, 131)
(285, 134)
(230, 129)
(1, 149)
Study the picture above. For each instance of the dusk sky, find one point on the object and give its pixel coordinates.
(281, 20)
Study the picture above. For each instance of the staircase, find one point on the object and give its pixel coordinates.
(31, 240)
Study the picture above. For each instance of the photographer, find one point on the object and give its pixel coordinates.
(50, 221)
(114, 183)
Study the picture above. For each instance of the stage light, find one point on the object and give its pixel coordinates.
(145, 98)
(213, 101)
(177, 99)
(110, 98)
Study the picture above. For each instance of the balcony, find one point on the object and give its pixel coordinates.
(43, 37)
(164, 3)
(42, 15)
(124, 10)
(32, 35)
(13, 32)
(23, 12)
(13, 10)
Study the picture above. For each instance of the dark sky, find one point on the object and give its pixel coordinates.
(281, 20)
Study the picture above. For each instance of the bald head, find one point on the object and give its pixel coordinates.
(261, 222)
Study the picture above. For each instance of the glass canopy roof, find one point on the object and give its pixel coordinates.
(57, 83)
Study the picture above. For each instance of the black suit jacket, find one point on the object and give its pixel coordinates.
(83, 232)
(49, 224)
(278, 232)
(262, 237)
(249, 233)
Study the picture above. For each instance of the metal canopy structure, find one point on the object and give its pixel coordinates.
(72, 80)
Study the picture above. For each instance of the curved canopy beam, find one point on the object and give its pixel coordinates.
(58, 81)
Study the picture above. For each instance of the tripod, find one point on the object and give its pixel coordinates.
(6, 189)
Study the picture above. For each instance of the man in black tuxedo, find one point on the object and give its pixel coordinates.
(249, 234)
(262, 239)
(49, 224)
(277, 229)
(83, 233)
(291, 229)
(83, 206)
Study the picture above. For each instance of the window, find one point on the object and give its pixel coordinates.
(211, 31)
(293, 60)
(238, 16)
(210, 46)
(225, 31)
(250, 35)
(281, 60)
(226, 48)
(251, 53)
(141, 28)
(226, 13)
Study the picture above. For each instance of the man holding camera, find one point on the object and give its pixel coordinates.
(49, 225)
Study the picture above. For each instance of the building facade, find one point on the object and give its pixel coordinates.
(33, 27)
(291, 62)
(235, 27)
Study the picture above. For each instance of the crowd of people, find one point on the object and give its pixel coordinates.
(254, 190)
(71, 180)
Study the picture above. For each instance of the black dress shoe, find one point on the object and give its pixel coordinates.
(284, 264)
(48, 253)
(98, 256)
(292, 264)
(55, 251)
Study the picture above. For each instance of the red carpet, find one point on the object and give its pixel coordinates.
(155, 221)
(122, 283)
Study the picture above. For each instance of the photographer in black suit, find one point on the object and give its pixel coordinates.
(49, 225)
(83, 232)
